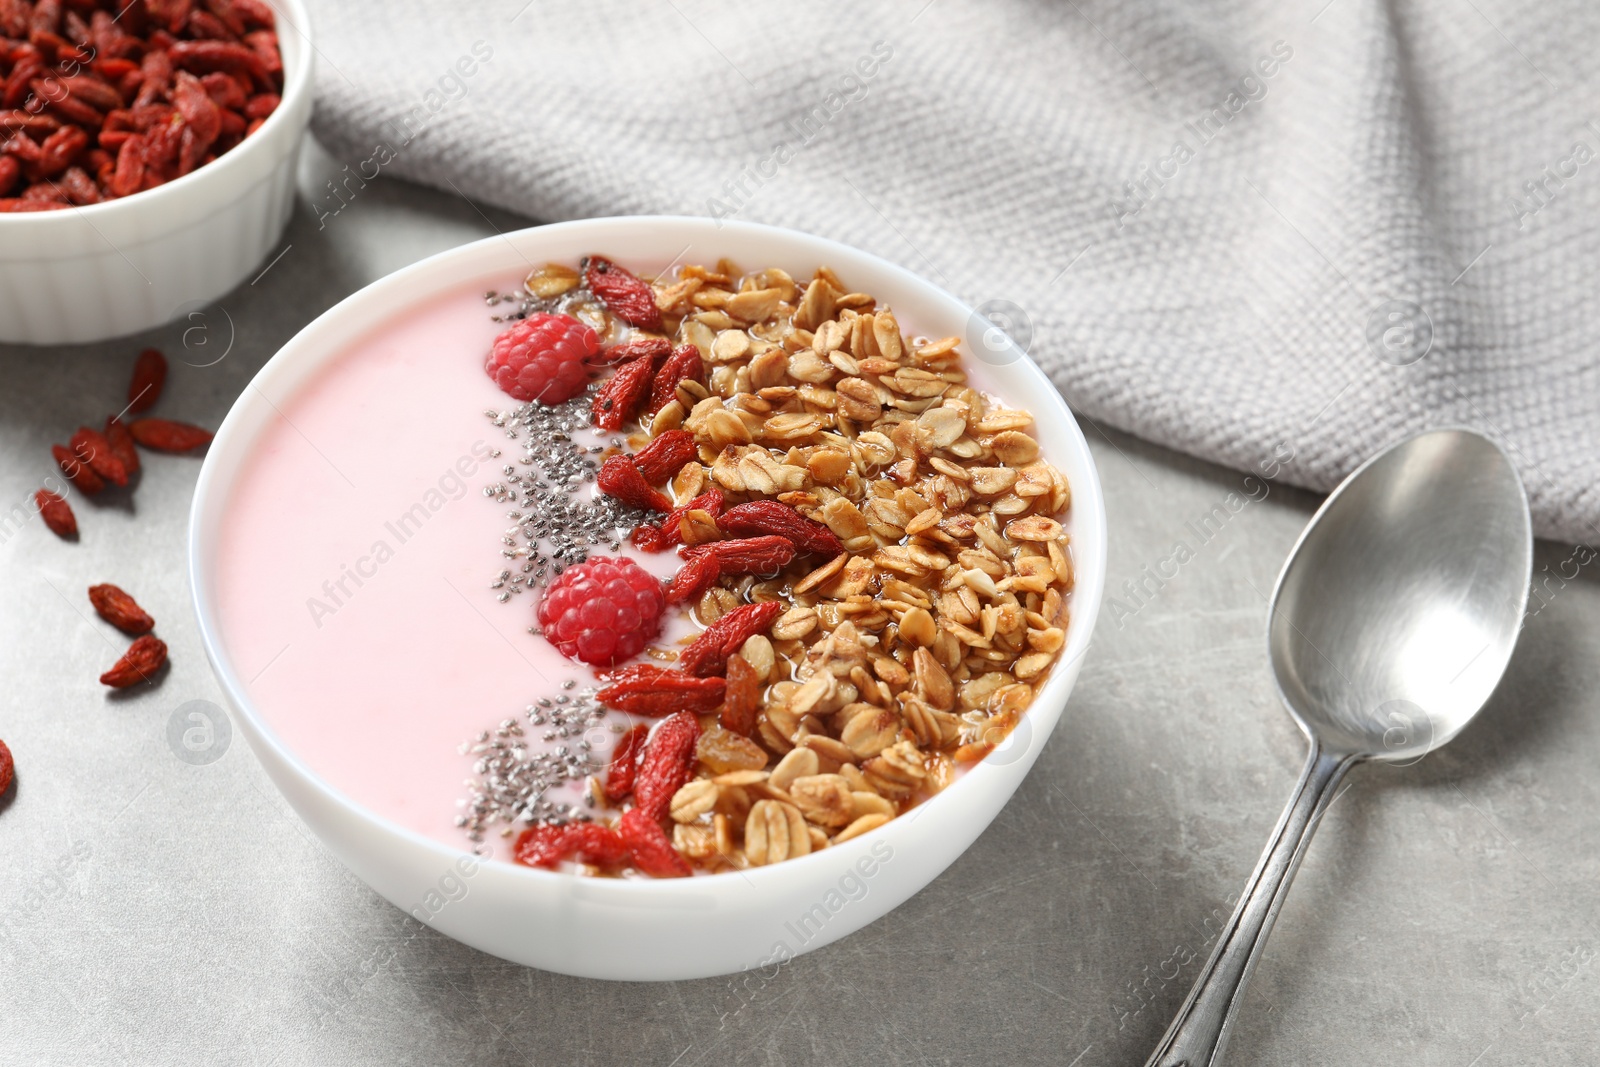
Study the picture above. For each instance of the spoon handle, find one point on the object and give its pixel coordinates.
(1205, 1022)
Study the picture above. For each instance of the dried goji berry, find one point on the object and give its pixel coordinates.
(79, 187)
(122, 444)
(666, 455)
(149, 375)
(646, 689)
(628, 298)
(669, 531)
(710, 651)
(56, 513)
(765, 555)
(18, 204)
(164, 435)
(741, 700)
(649, 847)
(202, 57)
(696, 576)
(139, 664)
(77, 472)
(261, 105)
(620, 479)
(684, 364)
(10, 174)
(775, 517)
(625, 763)
(546, 845)
(619, 397)
(92, 447)
(120, 610)
(129, 176)
(199, 111)
(655, 349)
(8, 767)
(60, 149)
(666, 764)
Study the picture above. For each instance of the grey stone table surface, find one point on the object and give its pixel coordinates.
(157, 911)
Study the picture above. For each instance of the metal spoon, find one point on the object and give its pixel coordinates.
(1391, 624)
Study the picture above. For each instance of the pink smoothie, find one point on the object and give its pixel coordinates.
(355, 564)
(355, 572)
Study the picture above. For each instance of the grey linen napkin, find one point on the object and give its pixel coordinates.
(1275, 235)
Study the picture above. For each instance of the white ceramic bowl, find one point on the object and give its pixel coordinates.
(127, 265)
(643, 929)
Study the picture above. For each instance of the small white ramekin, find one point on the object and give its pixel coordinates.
(116, 268)
(672, 928)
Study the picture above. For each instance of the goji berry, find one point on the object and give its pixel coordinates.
(710, 651)
(646, 689)
(625, 763)
(775, 517)
(139, 664)
(619, 397)
(669, 532)
(628, 298)
(547, 845)
(667, 762)
(18, 204)
(77, 472)
(655, 349)
(164, 435)
(649, 847)
(60, 149)
(92, 447)
(8, 767)
(697, 575)
(56, 513)
(120, 610)
(765, 555)
(149, 375)
(684, 364)
(666, 455)
(122, 444)
(620, 479)
(741, 700)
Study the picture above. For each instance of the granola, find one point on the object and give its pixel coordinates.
(904, 520)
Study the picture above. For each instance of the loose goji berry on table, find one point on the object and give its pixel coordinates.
(8, 767)
(149, 375)
(120, 610)
(775, 517)
(710, 651)
(91, 447)
(619, 478)
(764, 555)
(666, 455)
(165, 435)
(77, 471)
(741, 700)
(56, 513)
(698, 574)
(667, 762)
(546, 846)
(627, 297)
(139, 664)
(625, 763)
(646, 689)
(684, 364)
(122, 444)
(619, 397)
(648, 846)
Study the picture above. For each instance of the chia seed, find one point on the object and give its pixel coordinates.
(509, 783)
(557, 518)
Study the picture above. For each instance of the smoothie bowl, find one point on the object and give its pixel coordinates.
(646, 599)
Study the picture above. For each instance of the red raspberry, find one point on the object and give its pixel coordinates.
(602, 611)
(544, 358)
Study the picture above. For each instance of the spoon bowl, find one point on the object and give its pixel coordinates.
(1390, 626)
(1397, 611)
